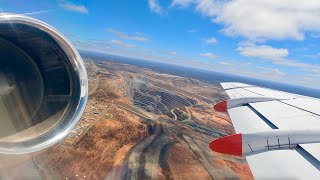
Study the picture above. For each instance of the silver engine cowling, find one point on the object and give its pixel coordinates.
(43, 85)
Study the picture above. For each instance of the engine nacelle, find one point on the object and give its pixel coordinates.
(257, 142)
(43, 85)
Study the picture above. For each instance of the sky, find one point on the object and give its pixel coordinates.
(277, 40)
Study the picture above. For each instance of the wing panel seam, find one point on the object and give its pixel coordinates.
(300, 108)
(262, 117)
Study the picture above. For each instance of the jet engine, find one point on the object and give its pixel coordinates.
(43, 85)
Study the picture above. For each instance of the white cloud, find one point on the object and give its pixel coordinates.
(262, 51)
(181, 3)
(173, 52)
(211, 40)
(225, 63)
(262, 19)
(122, 44)
(155, 6)
(277, 72)
(73, 7)
(123, 35)
(276, 56)
(139, 33)
(208, 55)
(38, 12)
(312, 56)
(274, 74)
(301, 65)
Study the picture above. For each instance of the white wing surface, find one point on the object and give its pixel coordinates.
(287, 111)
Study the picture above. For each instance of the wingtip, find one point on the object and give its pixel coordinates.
(231, 145)
(221, 106)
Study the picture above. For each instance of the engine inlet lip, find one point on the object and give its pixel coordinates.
(64, 128)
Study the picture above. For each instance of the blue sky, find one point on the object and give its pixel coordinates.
(266, 39)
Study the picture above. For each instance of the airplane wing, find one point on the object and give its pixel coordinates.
(266, 110)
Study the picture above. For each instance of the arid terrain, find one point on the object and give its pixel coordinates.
(140, 124)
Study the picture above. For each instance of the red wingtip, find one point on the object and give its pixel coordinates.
(221, 106)
(231, 145)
